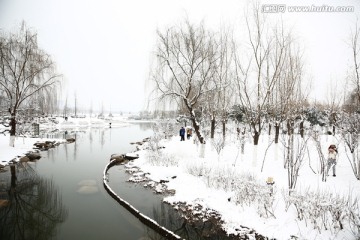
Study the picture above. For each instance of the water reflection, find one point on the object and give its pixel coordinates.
(146, 125)
(151, 205)
(187, 228)
(38, 207)
(35, 205)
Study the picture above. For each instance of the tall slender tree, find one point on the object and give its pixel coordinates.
(222, 80)
(258, 68)
(355, 69)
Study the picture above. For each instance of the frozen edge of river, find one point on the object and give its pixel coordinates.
(143, 218)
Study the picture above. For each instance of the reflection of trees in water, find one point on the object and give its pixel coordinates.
(146, 125)
(50, 154)
(189, 229)
(105, 134)
(35, 206)
(91, 139)
(66, 152)
(75, 145)
(102, 138)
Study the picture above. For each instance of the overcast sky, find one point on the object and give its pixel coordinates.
(103, 47)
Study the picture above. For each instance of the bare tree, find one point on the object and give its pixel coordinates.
(66, 108)
(349, 127)
(287, 104)
(297, 148)
(257, 78)
(287, 99)
(48, 101)
(186, 56)
(224, 76)
(25, 70)
(219, 100)
(315, 135)
(75, 104)
(354, 71)
(286, 107)
(334, 99)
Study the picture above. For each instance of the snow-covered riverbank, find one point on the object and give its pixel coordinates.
(231, 182)
(233, 185)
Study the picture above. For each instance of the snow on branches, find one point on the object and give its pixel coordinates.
(324, 210)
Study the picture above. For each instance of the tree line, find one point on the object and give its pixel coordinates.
(211, 75)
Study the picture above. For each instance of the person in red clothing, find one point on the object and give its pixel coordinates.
(188, 133)
(332, 155)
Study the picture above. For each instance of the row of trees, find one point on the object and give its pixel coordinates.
(28, 78)
(206, 73)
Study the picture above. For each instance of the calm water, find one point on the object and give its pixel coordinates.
(61, 196)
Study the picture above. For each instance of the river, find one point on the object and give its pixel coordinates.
(61, 196)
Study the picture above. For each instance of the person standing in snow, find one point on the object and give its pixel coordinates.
(182, 134)
(332, 154)
(188, 133)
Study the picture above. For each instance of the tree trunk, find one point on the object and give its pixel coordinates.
(194, 122)
(224, 127)
(242, 140)
(302, 129)
(292, 175)
(256, 138)
(256, 133)
(277, 132)
(12, 126)
(212, 127)
(12, 130)
(269, 128)
(290, 127)
(358, 167)
(197, 131)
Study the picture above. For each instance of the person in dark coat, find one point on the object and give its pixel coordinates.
(182, 134)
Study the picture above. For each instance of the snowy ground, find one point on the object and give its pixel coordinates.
(202, 180)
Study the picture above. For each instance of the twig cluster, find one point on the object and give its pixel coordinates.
(156, 156)
(325, 211)
(245, 188)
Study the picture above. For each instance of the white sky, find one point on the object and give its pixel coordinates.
(103, 47)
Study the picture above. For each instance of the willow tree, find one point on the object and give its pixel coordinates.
(25, 71)
(186, 55)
